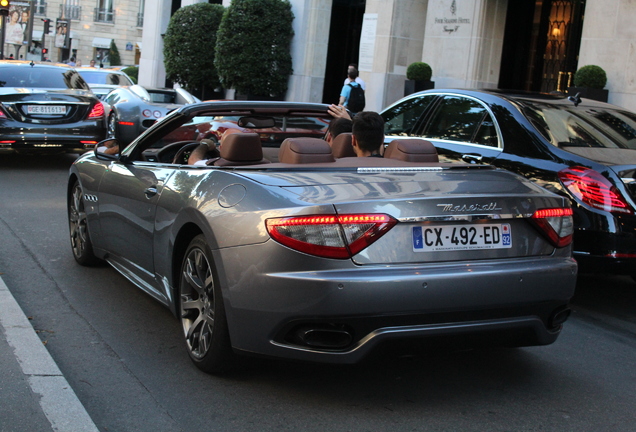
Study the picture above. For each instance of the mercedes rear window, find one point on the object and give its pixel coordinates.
(570, 126)
(38, 77)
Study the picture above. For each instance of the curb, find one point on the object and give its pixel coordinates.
(59, 402)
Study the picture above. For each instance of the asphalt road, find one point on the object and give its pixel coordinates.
(122, 352)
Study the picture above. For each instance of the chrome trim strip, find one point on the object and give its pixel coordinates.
(135, 279)
(46, 103)
(463, 217)
(399, 169)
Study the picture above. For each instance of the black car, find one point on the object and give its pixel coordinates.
(45, 106)
(580, 148)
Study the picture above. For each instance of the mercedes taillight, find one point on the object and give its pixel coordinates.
(330, 236)
(97, 111)
(593, 189)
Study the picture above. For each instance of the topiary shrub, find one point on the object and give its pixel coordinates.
(590, 76)
(188, 48)
(113, 56)
(419, 71)
(132, 72)
(253, 47)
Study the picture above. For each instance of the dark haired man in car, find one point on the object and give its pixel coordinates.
(368, 134)
(336, 127)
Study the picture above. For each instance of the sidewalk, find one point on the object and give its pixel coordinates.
(35, 395)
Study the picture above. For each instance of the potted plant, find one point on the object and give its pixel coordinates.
(252, 53)
(589, 82)
(418, 78)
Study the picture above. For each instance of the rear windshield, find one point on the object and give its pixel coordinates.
(570, 126)
(41, 77)
(99, 77)
(167, 97)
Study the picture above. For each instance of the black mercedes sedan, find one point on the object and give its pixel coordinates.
(579, 148)
(47, 107)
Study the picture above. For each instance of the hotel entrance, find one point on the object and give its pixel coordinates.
(541, 44)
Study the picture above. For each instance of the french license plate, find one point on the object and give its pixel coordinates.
(431, 238)
(46, 109)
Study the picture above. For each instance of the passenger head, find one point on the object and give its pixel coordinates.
(336, 127)
(368, 133)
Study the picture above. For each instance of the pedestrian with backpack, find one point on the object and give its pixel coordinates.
(352, 94)
(353, 67)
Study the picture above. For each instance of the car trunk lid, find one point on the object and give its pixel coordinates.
(443, 214)
(47, 107)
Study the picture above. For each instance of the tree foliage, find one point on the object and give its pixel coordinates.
(189, 47)
(113, 55)
(132, 72)
(253, 47)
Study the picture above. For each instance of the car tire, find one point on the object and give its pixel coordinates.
(81, 244)
(112, 126)
(202, 312)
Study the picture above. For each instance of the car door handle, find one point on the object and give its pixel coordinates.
(150, 192)
(472, 158)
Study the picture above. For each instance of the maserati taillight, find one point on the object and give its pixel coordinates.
(97, 111)
(330, 236)
(593, 189)
(556, 224)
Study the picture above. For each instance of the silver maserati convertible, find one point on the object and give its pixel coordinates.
(279, 247)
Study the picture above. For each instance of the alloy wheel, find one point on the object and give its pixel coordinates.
(112, 126)
(197, 303)
(77, 223)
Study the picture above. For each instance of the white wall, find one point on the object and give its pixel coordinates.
(609, 41)
(463, 46)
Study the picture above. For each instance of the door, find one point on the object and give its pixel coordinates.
(541, 44)
(128, 196)
(462, 129)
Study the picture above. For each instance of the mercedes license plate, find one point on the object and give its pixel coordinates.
(46, 109)
(431, 238)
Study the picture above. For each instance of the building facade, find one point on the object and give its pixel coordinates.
(514, 44)
(91, 25)
(517, 44)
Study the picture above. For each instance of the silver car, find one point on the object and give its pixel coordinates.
(319, 259)
(102, 81)
(133, 109)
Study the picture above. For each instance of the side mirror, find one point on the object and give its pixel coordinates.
(108, 148)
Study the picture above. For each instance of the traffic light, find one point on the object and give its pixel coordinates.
(47, 23)
(4, 7)
(45, 51)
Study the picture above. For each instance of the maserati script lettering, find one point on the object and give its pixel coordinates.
(469, 207)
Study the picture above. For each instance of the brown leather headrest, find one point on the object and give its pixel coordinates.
(241, 147)
(412, 150)
(341, 146)
(305, 150)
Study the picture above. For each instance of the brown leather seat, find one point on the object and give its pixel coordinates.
(241, 149)
(341, 146)
(305, 150)
(412, 150)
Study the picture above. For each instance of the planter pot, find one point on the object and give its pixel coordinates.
(589, 93)
(413, 86)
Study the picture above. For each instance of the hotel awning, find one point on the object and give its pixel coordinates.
(102, 42)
